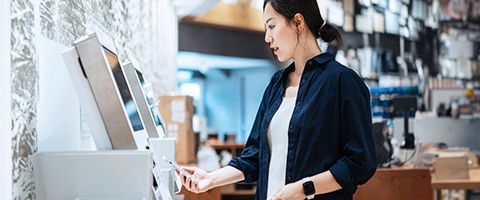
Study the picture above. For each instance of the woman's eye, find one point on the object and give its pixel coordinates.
(271, 26)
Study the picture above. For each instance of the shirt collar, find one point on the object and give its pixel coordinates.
(323, 58)
(320, 59)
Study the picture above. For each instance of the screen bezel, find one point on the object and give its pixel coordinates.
(132, 98)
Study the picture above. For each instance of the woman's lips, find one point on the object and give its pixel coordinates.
(275, 50)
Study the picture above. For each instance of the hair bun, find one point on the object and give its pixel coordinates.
(331, 34)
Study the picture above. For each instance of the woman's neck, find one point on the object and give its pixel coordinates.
(304, 52)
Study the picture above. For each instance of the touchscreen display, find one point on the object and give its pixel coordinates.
(152, 105)
(122, 86)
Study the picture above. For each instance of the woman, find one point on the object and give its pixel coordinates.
(312, 134)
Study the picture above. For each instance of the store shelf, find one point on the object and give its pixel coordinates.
(233, 148)
(229, 190)
(228, 146)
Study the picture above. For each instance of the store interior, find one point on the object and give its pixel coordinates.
(203, 66)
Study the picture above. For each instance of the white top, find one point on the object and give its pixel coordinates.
(277, 135)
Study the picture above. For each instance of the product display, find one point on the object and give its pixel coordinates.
(348, 25)
(364, 23)
(349, 6)
(394, 6)
(380, 3)
(365, 3)
(335, 13)
(451, 9)
(392, 26)
(378, 22)
(475, 11)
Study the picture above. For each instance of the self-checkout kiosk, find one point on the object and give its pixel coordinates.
(126, 127)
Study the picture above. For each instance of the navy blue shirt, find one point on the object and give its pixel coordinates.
(330, 129)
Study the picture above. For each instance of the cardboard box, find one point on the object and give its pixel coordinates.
(451, 168)
(459, 152)
(177, 112)
(472, 160)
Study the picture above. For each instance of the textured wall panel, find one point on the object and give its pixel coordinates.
(24, 90)
(148, 28)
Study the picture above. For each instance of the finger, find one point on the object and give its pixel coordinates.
(189, 184)
(182, 178)
(185, 182)
(195, 178)
(192, 180)
(197, 187)
(190, 170)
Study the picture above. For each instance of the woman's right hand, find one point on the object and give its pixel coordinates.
(199, 182)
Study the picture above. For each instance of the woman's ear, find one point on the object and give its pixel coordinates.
(299, 22)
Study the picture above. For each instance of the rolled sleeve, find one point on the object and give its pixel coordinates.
(359, 162)
(247, 163)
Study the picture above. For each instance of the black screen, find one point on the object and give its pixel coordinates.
(122, 86)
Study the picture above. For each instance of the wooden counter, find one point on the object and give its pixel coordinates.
(397, 184)
(213, 194)
(472, 183)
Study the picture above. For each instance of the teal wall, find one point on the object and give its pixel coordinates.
(231, 98)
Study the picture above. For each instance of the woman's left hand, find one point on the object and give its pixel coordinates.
(292, 191)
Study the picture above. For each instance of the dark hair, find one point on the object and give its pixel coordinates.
(311, 12)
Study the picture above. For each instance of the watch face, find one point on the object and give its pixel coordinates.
(308, 188)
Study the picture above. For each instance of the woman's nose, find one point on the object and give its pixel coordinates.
(268, 39)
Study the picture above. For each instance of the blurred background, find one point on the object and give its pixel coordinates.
(419, 58)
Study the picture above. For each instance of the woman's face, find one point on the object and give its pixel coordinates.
(280, 35)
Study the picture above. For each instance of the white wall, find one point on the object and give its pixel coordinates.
(58, 121)
(5, 133)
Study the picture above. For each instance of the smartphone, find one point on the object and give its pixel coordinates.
(177, 167)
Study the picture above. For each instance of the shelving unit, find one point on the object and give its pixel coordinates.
(233, 148)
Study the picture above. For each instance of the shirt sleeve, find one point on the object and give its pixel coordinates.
(248, 161)
(358, 163)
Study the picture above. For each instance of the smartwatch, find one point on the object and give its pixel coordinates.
(308, 188)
